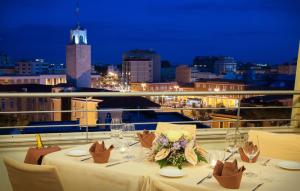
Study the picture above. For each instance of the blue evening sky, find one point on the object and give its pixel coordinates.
(249, 30)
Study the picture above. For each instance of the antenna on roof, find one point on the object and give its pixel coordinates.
(77, 12)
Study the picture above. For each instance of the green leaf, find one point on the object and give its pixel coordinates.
(162, 163)
(200, 157)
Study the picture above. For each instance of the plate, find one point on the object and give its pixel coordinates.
(290, 165)
(77, 153)
(171, 172)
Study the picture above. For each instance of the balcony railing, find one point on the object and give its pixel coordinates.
(203, 133)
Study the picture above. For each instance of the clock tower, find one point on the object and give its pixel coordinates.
(78, 57)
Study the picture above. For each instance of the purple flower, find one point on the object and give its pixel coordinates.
(163, 140)
(176, 145)
(183, 143)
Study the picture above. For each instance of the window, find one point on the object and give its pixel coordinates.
(81, 39)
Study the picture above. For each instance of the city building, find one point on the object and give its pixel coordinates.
(53, 79)
(7, 70)
(32, 67)
(205, 63)
(141, 66)
(288, 69)
(26, 103)
(155, 87)
(219, 85)
(34, 79)
(57, 68)
(78, 58)
(215, 64)
(183, 74)
(187, 74)
(225, 65)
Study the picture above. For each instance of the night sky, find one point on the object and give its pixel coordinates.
(249, 30)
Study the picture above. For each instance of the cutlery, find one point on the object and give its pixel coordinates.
(86, 158)
(134, 143)
(227, 158)
(257, 186)
(116, 163)
(206, 177)
(266, 162)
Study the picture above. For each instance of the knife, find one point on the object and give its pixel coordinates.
(116, 163)
(257, 186)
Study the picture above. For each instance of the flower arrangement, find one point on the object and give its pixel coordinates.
(176, 147)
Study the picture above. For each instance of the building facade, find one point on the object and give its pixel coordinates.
(35, 67)
(225, 65)
(141, 66)
(38, 79)
(183, 74)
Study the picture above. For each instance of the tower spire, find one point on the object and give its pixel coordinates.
(77, 12)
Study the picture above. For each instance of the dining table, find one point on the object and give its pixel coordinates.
(132, 171)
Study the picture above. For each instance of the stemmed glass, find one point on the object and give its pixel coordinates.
(233, 140)
(250, 152)
(116, 130)
(128, 132)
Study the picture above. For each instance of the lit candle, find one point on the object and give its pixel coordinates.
(213, 163)
(122, 149)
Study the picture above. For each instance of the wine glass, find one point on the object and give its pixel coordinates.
(233, 140)
(251, 152)
(116, 130)
(128, 132)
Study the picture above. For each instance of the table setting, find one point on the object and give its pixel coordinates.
(35, 155)
(172, 156)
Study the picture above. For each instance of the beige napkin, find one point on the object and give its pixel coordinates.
(146, 138)
(249, 146)
(228, 174)
(35, 155)
(99, 153)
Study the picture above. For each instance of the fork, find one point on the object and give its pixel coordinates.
(266, 162)
(206, 177)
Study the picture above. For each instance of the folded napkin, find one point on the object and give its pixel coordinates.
(228, 174)
(146, 138)
(35, 155)
(99, 152)
(249, 146)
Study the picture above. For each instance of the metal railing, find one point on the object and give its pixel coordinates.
(87, 95)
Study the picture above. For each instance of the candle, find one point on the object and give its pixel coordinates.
(213, 163)
(122, 149)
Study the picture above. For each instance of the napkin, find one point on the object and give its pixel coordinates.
(228, 174)
(248, 146)
(146, 138)
(99, 152)
(35, 155)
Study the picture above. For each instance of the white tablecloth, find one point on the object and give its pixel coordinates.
(139, 174)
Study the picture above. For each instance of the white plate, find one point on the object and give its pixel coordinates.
(171, 172)
(77, 153)
(290, 165)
